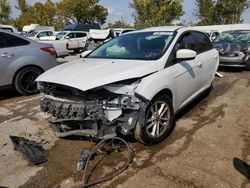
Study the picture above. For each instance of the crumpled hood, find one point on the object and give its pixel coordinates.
(89, 73)
(231, 49)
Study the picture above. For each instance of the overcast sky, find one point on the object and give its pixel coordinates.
(120, 9)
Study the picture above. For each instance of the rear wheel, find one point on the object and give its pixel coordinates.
(24, 81)
(158, 121)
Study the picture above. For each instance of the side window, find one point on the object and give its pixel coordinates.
(2, 41)
(12, 40)
(80, 35)
(50, 33)
(71, 35)
(188, 42)
(42, 34)
(204, 44)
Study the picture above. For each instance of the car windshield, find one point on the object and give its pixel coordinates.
(60, 35)
(32, 34)
(141, 45)
(233, 36)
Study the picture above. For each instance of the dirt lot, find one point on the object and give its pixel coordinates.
(209, 135)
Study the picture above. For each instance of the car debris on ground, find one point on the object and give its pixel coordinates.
(32, 150)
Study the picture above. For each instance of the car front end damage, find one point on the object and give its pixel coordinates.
(234, 54)
(99, 113)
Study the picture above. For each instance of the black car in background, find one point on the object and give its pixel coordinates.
(81, 27)
(234, 48)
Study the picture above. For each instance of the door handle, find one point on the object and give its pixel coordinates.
(199, 64)
(7, 55)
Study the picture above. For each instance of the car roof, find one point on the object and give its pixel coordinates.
(123, 28)
(20, 36)
(237, 31)
(168, 29)
(163, 28)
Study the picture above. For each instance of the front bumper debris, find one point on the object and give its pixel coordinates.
(94, 119)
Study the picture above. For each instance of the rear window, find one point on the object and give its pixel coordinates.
(2, 41)
(204, 44)
(12, 41)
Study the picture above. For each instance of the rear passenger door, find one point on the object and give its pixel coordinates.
(208, 58)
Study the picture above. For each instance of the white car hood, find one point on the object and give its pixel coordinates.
(89, 73)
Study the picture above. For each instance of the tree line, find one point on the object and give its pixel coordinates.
(146, 12)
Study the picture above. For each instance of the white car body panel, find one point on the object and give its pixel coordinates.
(60, 47)
(91, 73)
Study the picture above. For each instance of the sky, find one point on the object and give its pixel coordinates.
(120, 9)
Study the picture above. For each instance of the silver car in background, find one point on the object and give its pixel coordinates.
(22, 60)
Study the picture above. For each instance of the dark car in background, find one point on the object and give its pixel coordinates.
(81, 27)
(234, 48)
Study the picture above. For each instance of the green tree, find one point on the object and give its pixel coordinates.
(156, 12)
(220, 11)
(82, 11)
(22, 6)
(43, 14)
(5, 10)
(119, 24)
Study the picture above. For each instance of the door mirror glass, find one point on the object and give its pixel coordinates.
(185, 54)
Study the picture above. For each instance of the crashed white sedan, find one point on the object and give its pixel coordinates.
(132, 85)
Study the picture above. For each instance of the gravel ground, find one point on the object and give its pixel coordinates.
(209, 138)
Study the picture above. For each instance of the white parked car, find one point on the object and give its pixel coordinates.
(76, 39)
(132, 85)
(36, 35)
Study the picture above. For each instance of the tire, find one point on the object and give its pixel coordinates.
(153, 130)
(24, 81)
(248, 65)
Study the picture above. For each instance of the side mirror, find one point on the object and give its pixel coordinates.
(67, 37)
(84, 54)
(186, 54)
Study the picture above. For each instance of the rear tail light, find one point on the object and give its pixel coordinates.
(49, 50)
(67, 46)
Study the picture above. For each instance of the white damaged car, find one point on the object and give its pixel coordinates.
(132, 85)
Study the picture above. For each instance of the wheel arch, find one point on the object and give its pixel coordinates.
(20, 68)
(165, 91)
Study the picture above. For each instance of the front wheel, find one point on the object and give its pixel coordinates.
(24, 81)
(158, 123)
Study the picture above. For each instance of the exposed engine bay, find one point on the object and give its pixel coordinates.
(99, 113)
